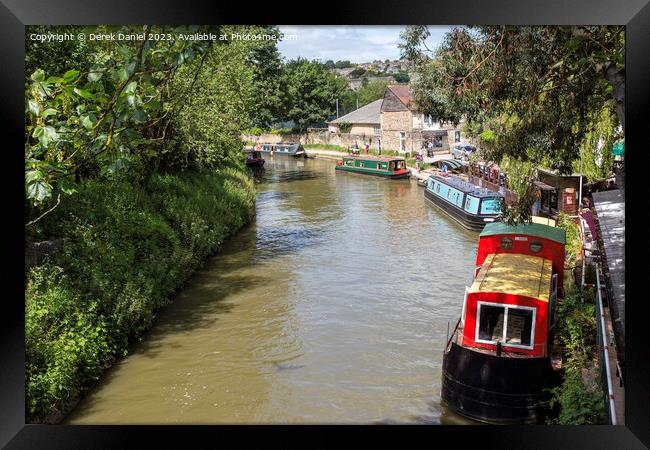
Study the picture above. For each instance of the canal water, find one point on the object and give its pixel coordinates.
(331, 307)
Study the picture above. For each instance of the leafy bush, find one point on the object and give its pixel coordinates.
(573, 240)
(281, 131)
(128, 247)
(345, 127)
(255, 131)
(580, 396)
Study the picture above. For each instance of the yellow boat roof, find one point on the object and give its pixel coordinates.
(543, 220)
(517, 274)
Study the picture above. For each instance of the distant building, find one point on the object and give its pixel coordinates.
(404, 128)
(365, 120)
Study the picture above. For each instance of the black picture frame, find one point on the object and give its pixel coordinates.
(15, 14)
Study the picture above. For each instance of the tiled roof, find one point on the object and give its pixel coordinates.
(403, 92)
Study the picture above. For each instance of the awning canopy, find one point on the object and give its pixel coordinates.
(427, 133)
(451, 163)
(544, 186)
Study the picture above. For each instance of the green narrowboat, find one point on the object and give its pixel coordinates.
(393, 167)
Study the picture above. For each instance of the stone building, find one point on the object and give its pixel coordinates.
(365, 122)
(405, 129)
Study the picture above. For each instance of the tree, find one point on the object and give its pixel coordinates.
(530, 93)
(269, 95)
(312, 92)
(402, 77)
(205, 130)
(55, 58)
(142, 106)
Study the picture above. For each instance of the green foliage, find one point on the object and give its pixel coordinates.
(312, 92)
(127, 249)
(573, 246)
(529, 92)
(269, 92)
(345, 127)
(402, 77)
(343, 64)
(357, 72)
(580, 396)
(597, 155)
(281, 131)
(97, 117)
(255, 131)
(367, 93)
(206, 130)
(57, 57)
(520, 174)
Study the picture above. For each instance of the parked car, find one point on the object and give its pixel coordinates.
(462, 151)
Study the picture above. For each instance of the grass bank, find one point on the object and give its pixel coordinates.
(128, 247)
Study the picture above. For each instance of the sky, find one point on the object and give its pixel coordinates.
(356, 43)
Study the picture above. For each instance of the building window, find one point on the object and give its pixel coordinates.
(377, 130)
(511, 325)
(457, 136)
(437, 141)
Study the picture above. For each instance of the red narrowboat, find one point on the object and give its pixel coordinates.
(496, 365)
(254, 158)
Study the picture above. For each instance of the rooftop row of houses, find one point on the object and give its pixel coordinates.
(394, 122)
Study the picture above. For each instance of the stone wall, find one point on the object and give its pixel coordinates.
(320, 137)
(392, 124)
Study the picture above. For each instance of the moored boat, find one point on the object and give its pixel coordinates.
(473, 207)
(254, 158)
(290, 149)
(497, 364)
(390, 167)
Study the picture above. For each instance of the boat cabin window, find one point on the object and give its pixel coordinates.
(360, 163)
(491, 205)
(510, 325)
(438, 188)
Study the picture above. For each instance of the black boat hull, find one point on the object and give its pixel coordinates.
(497, 390)
(469, 221)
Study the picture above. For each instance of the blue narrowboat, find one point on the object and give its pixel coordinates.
(470, 205)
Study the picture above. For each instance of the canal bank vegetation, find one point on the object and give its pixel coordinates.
(579, 399)
(134, 176)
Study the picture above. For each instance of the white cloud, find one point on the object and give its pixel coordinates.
(357, 43)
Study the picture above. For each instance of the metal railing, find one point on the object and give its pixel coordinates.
(604, 352)
(603, 345)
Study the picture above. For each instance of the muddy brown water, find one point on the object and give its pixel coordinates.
(331, 307)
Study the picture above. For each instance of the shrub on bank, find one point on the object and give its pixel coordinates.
(580, 397)
(128, 247)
